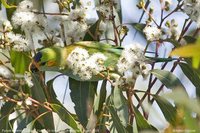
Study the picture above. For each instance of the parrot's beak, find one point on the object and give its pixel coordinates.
(34, 67)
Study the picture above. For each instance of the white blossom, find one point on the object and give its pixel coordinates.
(5, 72)
(28, 21)
(96, 62)
(75, 25)
(132, 60)
(75, 31)
(28, 102)
(24, 20)
(84, 65)
(28, 79)
(25, 5)
(7, 25)
(152, 33)
(19, 103)
(192, 9)
(77, 15)
(19, 43)
(105, 11)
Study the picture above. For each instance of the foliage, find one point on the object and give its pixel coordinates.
(103, 74)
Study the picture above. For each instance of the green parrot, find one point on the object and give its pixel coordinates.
(54, 58)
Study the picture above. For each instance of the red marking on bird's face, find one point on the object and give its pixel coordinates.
(51, 63)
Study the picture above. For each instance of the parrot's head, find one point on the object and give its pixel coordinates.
(46, 58)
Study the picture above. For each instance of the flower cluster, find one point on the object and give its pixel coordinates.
(152, 33)
(192, 9)
(172, 31)
(26, 19)
(85, 65)
(132, 64)
(18, 42)
(75, 25)
(30, 23)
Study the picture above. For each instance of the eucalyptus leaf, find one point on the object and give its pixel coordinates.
(5, 124)
(190, 39)
(142, 124)
(189, 51)
(97, 108)
(116, 120)
(139, 27)
(192, 75)
(191, 123)
(172, 41)
(23, 124)
(38, 94)
(6, 5)
(121, 105)
(6, 110)
(82, 95)
(66, 116)
(101, 98)
(180, 97)
(168, 79)
(20, 61)
(168, 110)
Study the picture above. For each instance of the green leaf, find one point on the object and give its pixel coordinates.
(5, 124)
(99, 101)
(156, 59)
(187, 51)
(191, 123)
(38, 94)
(65, 116)
(23, 124)
(20, 61)
(191, 50)
(190, 39)
(139, 27)
(93, 29)
(6, 110)
(172, 41)
(121, 105)
(168, 110)
(141, 122)
(192, 75)
(116, 120)
(180, 97)
(53, 96)
(118, 8)
(4, 2)
(97, 108)
(168, 79)
(82, 95)
(102, 120)
(51, 92)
